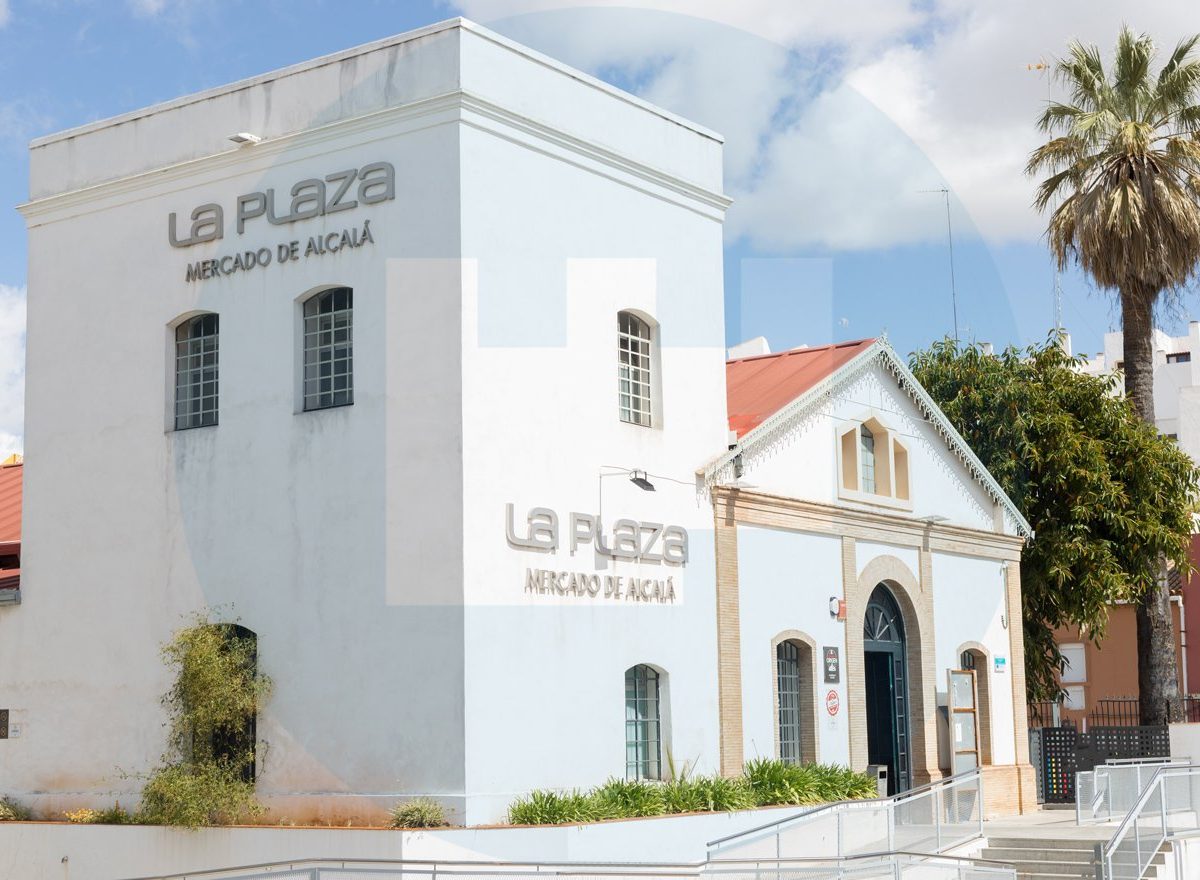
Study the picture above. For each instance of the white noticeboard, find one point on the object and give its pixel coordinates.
(964, 727)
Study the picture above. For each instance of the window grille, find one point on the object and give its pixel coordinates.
(787, 661)
(329, 349)
(643, 725)
(633, 368)
(196, 367)
(867, 442)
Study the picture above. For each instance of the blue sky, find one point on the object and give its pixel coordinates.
(838, 121)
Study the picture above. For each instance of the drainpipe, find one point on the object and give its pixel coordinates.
(1182, 640)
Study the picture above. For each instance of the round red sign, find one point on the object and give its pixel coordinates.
(832, 703)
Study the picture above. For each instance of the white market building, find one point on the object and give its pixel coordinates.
(380, 383)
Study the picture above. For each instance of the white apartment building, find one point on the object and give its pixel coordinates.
(410, 360)
(1176, 381)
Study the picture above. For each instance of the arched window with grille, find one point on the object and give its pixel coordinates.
(197, 363)
(635, 339)
(329, 349)
(795, 683)
(643, 722)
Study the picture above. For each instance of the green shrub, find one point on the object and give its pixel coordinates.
(774, 782)
(113, 815)
(419, 813)
(765, 782)
(11, 811)
(552, 808)
(707, 794)
(195, 794)
(625, 798)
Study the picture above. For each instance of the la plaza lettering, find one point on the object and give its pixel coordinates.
(629, 540)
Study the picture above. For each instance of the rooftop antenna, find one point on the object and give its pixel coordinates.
(1043, 66)
(950, 239)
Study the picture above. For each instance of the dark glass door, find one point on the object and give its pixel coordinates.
(886, 682)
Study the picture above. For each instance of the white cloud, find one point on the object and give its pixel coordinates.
(809, 161)
(5, 12)
(149, 8)
(12, 369)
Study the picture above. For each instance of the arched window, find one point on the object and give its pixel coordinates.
(797, 735)
(634, 384)
(866, 441)
(228, 733)
(643, 723)
(196, 369)
(329, 349)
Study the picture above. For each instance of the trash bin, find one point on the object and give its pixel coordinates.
(879, 772)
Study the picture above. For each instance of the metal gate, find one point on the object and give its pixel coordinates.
(1062, 751)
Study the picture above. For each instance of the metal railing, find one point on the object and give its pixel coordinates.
(1168, 803)
(869, 866)
(1109, 790)
(930, 819)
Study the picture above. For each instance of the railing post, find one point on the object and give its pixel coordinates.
(891, 825)
(841, 844)
(1162, 803)
(979, 797)
(937, 816)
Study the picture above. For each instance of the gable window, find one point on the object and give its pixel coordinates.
(874, 464)
(643, 723)
(634, 339)
(866, 445)
(329, 349)
(196, 368)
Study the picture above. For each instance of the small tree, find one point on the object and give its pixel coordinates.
(207, 775)
(1108, 497)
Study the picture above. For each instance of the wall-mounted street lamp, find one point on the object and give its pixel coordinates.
(638, 478)
(245, 139)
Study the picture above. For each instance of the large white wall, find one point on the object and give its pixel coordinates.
(557, 248)
(365, 545)
(785, 581)
(969, 605)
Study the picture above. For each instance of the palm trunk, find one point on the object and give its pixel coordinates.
(1158, 682)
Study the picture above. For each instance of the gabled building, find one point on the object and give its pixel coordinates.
(404, 360)
(854, 527)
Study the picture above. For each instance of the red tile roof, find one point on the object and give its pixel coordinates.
(10, 502)
(10, 523)
(758, 387)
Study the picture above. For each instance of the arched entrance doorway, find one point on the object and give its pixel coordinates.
(886, 683)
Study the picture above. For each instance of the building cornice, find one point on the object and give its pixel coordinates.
(752, 507)
(364, 49)
(765, 439)
(239, 159)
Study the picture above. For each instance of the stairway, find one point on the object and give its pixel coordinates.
(1062, 858)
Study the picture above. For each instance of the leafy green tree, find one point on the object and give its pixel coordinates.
(1108, 497)
(1124, 158)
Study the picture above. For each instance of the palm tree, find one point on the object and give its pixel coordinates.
(1124, 157)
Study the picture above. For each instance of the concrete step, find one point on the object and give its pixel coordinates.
(1087, 843)
(1036, 853)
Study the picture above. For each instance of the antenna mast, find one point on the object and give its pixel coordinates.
(950, 239)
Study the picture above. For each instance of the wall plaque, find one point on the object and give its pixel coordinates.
(833, 666)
